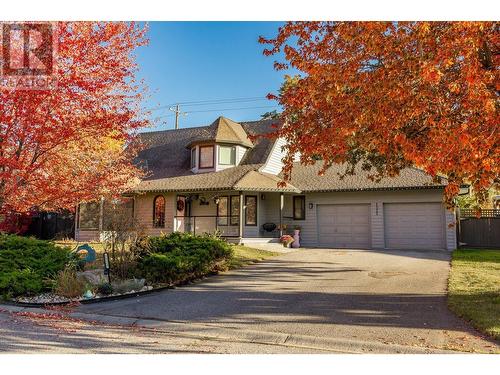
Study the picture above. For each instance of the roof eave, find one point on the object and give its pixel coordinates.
(216, 141)
(374, 189)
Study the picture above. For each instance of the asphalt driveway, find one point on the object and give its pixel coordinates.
(388, 297)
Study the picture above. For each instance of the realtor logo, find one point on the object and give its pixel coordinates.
(28, 55)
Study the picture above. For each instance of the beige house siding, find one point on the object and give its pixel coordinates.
(143, 210)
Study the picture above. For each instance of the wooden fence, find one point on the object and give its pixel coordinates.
(481, 230)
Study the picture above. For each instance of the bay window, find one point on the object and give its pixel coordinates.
(206, 157)
(227, 155)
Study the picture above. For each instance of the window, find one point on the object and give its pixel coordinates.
(235, 209)
(159, 212)
(251, 210)
(222, 211)
(227, 155)
(299, 207)
(89, 216)
(206, 159)
(193, 157)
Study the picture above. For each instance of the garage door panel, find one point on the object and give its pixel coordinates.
(361, 220)
(344, 226)
(414, 225)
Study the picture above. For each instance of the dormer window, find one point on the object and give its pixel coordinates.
(193, 157)
(222, 145)
(206, 159)
(227, 155)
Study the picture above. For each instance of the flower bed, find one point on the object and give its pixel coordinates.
(155, 263)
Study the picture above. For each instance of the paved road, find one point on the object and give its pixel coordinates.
(393, 298)
(21, 334)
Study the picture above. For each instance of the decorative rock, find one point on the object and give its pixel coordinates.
(88, 294)
(43, 298)
(94, 277)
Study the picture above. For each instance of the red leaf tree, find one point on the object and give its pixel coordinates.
(65, 145)
(394, 94)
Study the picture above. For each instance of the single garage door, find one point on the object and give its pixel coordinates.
(344, 225)
(414, 225)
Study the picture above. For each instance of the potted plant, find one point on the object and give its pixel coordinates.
(286, 240)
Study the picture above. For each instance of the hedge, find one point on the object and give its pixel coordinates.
(180, 256)
(28, 266)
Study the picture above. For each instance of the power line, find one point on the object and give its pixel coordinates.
(231, 109)
(211, 101)
(220, 109)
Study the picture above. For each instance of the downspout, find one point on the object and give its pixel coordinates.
(241, 217)
(282, 203)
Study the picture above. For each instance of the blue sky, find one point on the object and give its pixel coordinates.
(199, 61)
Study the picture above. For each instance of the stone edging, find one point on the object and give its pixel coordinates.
(87, 301)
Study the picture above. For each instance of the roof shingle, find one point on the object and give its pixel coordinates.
(165, 153)
(307, 179)
(167, 159)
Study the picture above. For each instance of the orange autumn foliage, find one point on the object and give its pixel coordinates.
(65, 145)
(394, 94)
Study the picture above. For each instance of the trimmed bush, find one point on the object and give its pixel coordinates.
(181, 256)
(28, 266)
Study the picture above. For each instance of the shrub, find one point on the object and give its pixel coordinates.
(20, 282)
(68, 284)
(28, 266)
(180, 256)
(105, 289)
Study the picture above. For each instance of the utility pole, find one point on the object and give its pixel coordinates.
(177, 112)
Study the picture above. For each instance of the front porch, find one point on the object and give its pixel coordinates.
(240, 217)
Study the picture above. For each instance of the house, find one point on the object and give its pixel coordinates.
(217, 177)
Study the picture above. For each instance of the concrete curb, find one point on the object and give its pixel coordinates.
(208, 331)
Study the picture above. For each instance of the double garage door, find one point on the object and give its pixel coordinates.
(405, 226)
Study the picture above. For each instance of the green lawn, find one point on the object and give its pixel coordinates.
(97, 246)
(474, 288)
(244, 255)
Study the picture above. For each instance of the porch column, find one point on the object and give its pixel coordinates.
(241, 216)
(282, 204)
